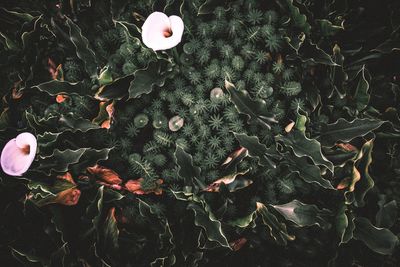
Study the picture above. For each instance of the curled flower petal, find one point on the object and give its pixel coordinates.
(18, 154)
(160, 32)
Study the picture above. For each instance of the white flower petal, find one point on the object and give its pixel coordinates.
(177, 28)
(154, 31)
(14, 160)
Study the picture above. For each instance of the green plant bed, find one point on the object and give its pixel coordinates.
(267, 135)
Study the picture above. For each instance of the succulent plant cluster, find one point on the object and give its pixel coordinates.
(269, 136)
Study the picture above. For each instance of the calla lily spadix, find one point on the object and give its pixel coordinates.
(18, 154)
(160, 32)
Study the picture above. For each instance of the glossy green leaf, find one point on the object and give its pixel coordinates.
(47, 139)
(256, 110)
(117, 89)
(67, 122)
(145, 80)
(303, 146)
(8, 42)
(206, 220)
(62, 160)
(90, 158)
(21, 15)
(109, 233)
(345, 131)
(44, 193)
(105, 76)
(232, 182)
(387, 215)
(388, 46)
(310, 52)
(366, 182)
(298, 19)
(56, 87)
(344, 223)
(338, 156)
(245, 221)
(327, 28)
(337, 75)
(256, 149)
(309, 173)
(380, 240)
(361, 94)
(304, 214)
(185, 163)
(276, 229)
(83, 50)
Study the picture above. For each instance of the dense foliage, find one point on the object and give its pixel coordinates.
(268, 137)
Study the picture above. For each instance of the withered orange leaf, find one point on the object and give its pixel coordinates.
(68, 197)
(107, 175)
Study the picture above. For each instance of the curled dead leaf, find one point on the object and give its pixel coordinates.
(344, 183)
(61, 98)
(107, 175)
(229, 180)
(238, 243)
(67, 176)
(135, 186)
(105, 116)
(235, 154)
(289, 127)
(346, 147)
(106, 124)
(69, 197)
(15, 92)
(112, 186)
(55, 70)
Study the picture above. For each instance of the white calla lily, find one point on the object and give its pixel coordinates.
(18, 154)
(160, 32)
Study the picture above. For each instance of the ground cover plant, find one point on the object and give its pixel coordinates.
(199, 133)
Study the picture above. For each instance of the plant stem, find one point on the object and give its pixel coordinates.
(176, 56)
